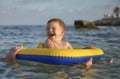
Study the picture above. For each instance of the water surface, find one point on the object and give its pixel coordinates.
(106, 38)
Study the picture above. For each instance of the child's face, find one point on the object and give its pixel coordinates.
(55, 31)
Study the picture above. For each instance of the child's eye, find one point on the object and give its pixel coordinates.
(53, 28)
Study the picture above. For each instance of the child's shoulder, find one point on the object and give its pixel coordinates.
(67, 44)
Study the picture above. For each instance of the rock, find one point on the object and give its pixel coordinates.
(108, 22)
(84, 24)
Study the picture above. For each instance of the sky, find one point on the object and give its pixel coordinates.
(38, 12)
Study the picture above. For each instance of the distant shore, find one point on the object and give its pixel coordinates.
(108, 22)
(94, 24)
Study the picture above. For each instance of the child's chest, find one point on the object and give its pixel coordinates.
(59, 45)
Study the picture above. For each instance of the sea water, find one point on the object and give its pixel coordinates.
(105, 37)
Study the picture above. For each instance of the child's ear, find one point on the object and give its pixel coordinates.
(62, 32)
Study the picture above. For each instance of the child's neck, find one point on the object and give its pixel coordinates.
(56, 40)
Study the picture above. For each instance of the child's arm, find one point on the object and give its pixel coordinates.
(49, 44)
(69, 46)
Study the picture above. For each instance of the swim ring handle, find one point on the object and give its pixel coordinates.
(41, 45)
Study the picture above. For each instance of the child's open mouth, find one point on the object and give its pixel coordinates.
(51, 35)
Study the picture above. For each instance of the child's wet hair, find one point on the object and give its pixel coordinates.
(62, 24)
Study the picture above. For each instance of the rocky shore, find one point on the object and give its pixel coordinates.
(84, 24)
(94, 24)
(108, 22)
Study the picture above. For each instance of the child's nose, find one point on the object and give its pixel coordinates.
(50, 30)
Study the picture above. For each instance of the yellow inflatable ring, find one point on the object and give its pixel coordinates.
(59, 56)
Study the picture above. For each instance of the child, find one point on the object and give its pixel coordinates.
(55, 32)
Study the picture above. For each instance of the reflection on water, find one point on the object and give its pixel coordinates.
(107, 38)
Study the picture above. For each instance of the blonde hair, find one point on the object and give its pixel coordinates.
(62, 24)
